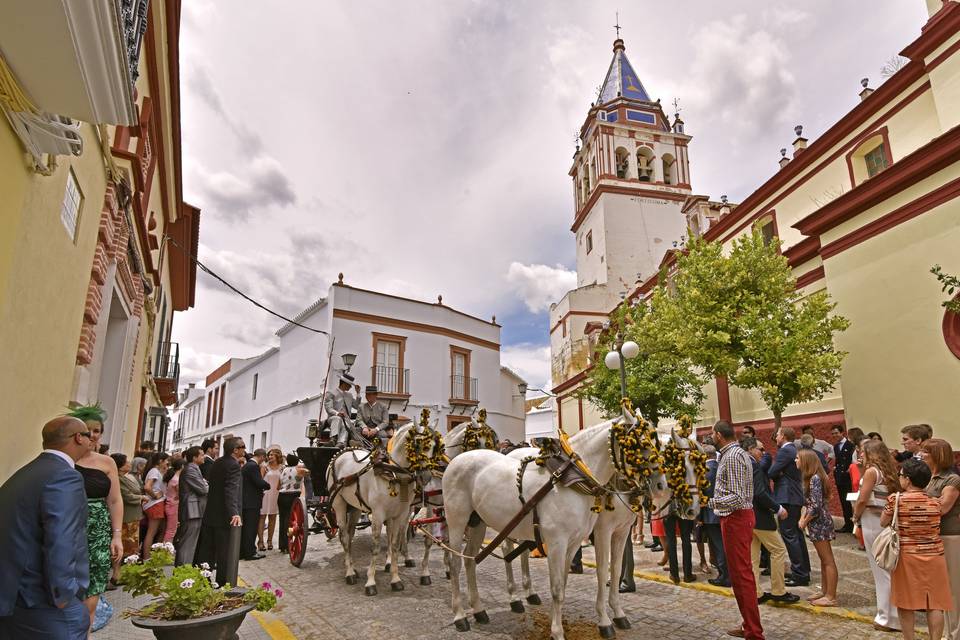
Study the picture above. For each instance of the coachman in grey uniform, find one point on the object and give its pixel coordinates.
(338, 404)
(374, 416)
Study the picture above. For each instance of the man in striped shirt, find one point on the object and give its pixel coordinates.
(733, 501)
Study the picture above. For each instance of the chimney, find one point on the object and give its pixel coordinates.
(800, 143)
(866, 90)
(783, 158)
(724, 208)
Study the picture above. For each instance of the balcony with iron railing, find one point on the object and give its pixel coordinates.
(166, 372)
(391, 381)
(463, 390)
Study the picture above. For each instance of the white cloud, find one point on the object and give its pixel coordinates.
(196, 365)
(539, 285)
(531, 362)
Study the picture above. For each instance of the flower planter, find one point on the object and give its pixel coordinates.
(220, 626)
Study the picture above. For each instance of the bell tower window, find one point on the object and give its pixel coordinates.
(644, 164)
(623, 163)
(669, 163)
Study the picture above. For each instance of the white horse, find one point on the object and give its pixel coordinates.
(477, 482)
(385, 500)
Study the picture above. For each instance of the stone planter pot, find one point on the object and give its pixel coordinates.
(220, 626)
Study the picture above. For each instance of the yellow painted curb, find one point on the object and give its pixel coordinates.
(836, 612)
(273, 625)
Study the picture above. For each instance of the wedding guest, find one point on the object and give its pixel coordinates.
(171, 501)
(251, 494)
(131, 491)
(223, 508)
(920, 581)
(945, 486)
(879, 478)
(788, 493)
(155, 489)
(819, 523)
(291, 484)
(269, 508)
(911, 437)
(192, 503)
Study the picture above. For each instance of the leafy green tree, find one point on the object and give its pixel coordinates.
(949, 284)
(741, 316)
(660, 382)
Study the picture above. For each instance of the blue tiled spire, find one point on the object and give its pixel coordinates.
(621, 79)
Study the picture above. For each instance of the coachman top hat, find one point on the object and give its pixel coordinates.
(346, 378)
(372, 388)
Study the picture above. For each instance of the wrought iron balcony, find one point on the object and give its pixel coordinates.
(166, 373)
(391, 381)
(463, 390)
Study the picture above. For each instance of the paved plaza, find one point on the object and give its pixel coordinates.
(318, 605)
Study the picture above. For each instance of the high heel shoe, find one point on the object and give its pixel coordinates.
(269, 546)
(662, 561)
(260, 547)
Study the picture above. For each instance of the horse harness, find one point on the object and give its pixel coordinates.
(567, 469)
(377, 461)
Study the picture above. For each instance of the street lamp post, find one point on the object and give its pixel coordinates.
(615, 359)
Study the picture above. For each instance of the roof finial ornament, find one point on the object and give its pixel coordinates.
(676, 108)
(339, 278)
(617, 26)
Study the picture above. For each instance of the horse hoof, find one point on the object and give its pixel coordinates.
(462, 624)
(481, 617)
(425, 580)
(608, 632)
(371, 590)
(409, 562)
(621, 623)
(386, 568)
(351, 579)
(534, 599)
(516, 606)
(396, 586)
(448, 575)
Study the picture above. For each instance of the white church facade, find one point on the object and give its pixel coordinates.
(418, 354)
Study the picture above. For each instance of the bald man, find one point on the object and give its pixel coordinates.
(44, 571)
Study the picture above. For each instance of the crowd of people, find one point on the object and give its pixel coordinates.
(762, 508)
(77, 513)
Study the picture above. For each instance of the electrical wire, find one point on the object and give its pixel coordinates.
(216, 276)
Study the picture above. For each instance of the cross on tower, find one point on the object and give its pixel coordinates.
(617, 26)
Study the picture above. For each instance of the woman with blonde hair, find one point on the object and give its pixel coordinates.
(945, 486)
(879, 479)
(271, 470)
(819, 523)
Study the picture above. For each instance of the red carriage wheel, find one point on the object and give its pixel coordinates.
(297, 533)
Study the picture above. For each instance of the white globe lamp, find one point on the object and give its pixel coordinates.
(630, 350)
(612, 360)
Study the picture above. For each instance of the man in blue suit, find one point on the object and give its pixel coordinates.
(44, 571)
(788, 492)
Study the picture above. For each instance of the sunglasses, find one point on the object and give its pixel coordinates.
(85, 434)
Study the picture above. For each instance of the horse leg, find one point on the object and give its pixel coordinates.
(515, 605)
(619, 540)
(528, 593)
(396, 528)
(601, 546)
(425, 562)
(559, 556)
(376, 524)
(456, 527)
(474, 542)
(345, 534)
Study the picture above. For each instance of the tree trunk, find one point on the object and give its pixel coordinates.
(777, 420)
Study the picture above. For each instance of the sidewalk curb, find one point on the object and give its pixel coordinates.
(272, 625)
(835, 612)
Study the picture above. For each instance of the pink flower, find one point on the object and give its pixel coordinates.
(267, 585)
(278, 593)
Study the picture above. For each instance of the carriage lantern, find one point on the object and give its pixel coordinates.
(313, 430)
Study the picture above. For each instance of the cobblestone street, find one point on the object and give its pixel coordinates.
(318, 605)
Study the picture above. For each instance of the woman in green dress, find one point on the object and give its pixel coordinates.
(104, 505)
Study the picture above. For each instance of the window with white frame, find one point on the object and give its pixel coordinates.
(70, 208)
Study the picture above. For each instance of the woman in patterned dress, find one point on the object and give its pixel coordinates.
(819, 523)
(920, 581)
(104, 506)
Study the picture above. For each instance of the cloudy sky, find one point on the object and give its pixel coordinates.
(422, 148)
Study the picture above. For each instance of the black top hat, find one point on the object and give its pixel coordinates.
(371, 388)
(346, 378)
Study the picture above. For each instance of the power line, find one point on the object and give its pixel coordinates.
(218, 277)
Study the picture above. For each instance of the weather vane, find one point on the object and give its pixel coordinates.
(617, 26)
(676, 106)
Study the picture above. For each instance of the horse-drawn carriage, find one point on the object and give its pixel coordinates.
(313, 502)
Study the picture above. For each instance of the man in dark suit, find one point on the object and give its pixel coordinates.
(44, 569)
(843, 451)
(788, 492)
(211, 449)
(253, 487)
(193, 502)
(711, 522)
(223, 507)
(766, 511)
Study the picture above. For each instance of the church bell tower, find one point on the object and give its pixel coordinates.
(631, 176)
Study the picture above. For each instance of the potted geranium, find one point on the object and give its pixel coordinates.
(187, 602)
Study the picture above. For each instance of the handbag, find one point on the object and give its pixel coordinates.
(886, 548)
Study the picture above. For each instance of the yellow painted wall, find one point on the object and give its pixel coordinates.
(46, 281)
(14, 180)
(899, 370)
